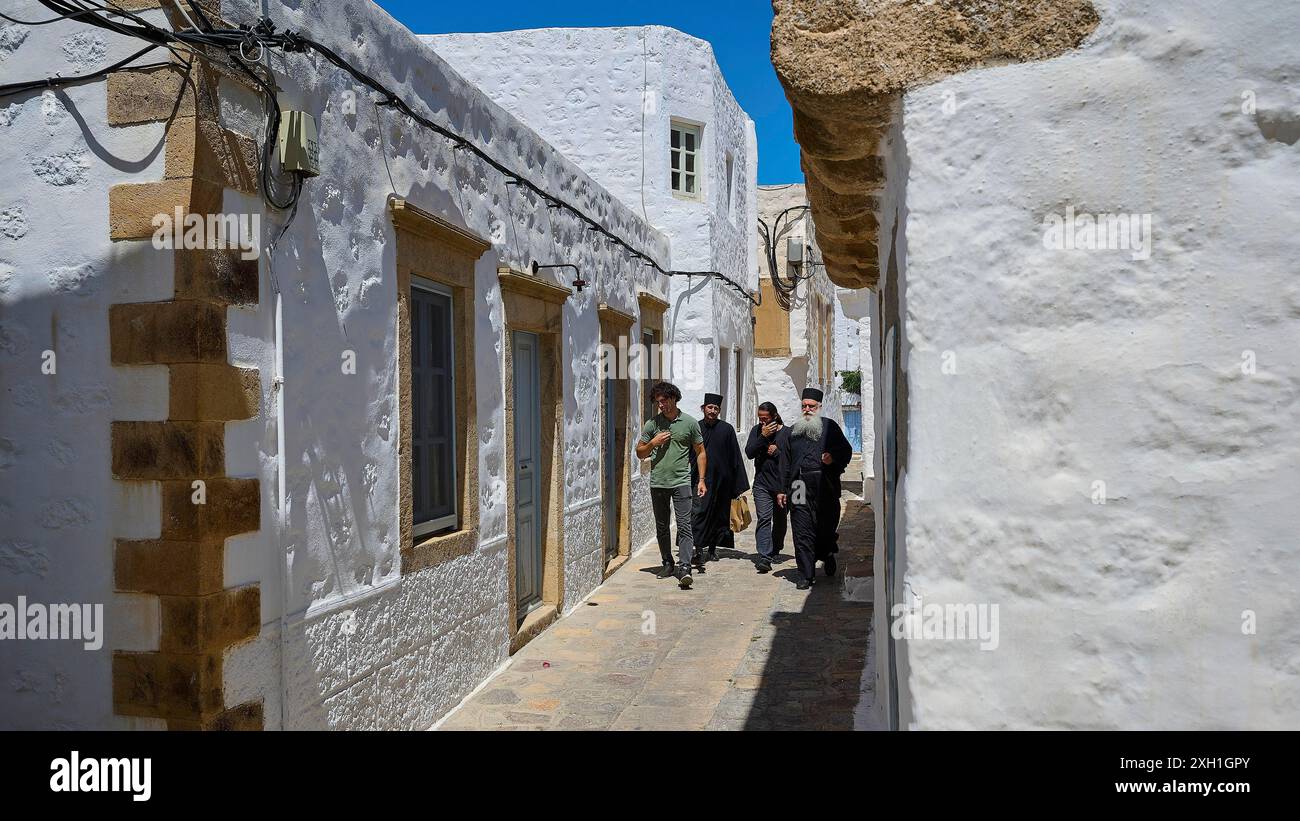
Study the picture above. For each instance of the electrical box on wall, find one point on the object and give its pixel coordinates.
(794, 251)
(299, 150)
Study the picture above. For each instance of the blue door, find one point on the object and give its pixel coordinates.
(853, 429)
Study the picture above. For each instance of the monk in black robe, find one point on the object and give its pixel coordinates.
(819, 453)
(725, 479)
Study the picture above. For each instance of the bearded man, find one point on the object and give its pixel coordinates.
(819, 453)
(724, 478)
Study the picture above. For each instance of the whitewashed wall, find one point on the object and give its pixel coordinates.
(606, 97)
(420, 643)
(362, 646)
(60, 510)
(1075, 368)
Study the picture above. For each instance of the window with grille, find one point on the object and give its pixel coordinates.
(684, 158)
(433, 409)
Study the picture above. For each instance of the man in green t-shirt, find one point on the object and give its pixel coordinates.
(667, 441)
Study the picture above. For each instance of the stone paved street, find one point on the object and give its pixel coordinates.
(739, 651)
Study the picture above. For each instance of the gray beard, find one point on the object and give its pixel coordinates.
(809, 427)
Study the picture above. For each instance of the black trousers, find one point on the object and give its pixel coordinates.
(814, 524)
(673, 502)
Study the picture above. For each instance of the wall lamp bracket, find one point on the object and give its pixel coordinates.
(578, 282)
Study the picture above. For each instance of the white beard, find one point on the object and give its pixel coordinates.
(810, 426)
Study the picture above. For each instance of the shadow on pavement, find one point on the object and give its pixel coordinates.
(811, 677)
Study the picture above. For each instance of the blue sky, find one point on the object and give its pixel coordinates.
(738, 29)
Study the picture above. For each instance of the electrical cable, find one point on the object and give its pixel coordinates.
(58, 19)
(183, 13)
(263, 36)
(9, 89)
(785, 291)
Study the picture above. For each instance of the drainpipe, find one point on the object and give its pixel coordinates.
(281, 497)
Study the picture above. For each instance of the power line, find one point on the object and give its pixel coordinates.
(241, 43)
(10, 89)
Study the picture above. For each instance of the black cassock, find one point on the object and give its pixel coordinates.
(726, 479)
(816, 519)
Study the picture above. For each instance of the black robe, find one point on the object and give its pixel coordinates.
(769, 471)
(821, 487)
(726, 479)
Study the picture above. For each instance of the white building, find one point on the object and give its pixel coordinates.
(795, 345)
(228, 453)
(647, 113)
(1086, 433)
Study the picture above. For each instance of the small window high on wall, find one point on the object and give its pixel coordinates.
(731, 168)
(684, 160)
(433, 410)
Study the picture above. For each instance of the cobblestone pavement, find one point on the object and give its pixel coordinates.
(738, 651)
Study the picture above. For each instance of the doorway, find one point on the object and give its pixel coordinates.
(740, 388)
(615, 489)
(610, 495)
(527, 473)
(724, 379)
(534, 450)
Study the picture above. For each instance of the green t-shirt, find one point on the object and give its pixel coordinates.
(670, 463)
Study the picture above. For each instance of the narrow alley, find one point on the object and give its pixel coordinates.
(739, 651)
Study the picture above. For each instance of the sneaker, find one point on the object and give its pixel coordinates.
(763, 565)
(685, 581)
(828, 564)
(803, 584)
(713, 554)
(665, 571)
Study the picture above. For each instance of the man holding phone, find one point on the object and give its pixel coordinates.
(667, 441)
(769, 447)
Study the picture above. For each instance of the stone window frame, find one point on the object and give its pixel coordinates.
(434, 249)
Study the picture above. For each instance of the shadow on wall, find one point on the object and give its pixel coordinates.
(324, 412)
(797, 370)
(342, 447)
(812, 678)
(677, 370)
(61, 511)
(892, 442)
(59, 503)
